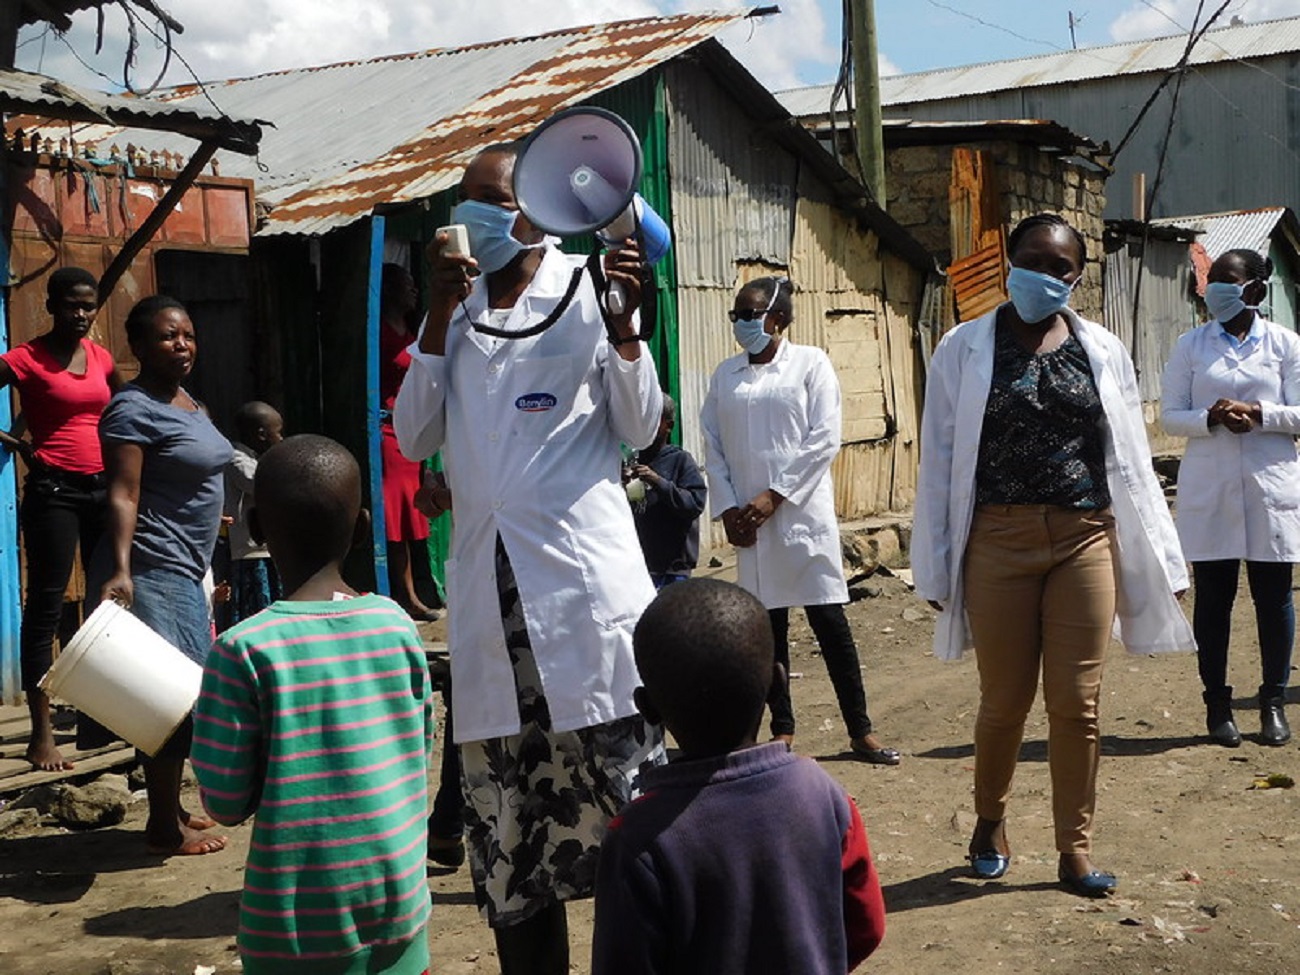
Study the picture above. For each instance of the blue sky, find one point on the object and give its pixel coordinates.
(233, 38)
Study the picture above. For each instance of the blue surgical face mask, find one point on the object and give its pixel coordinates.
(489, 229)
(751, 335)
(1037, 296)
(1224, 300)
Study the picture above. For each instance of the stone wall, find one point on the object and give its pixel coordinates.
(1029, 181)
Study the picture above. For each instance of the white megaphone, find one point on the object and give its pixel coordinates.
(577, 174)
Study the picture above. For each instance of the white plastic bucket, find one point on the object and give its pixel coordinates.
(125, 676)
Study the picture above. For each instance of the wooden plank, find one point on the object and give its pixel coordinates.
(122, 756)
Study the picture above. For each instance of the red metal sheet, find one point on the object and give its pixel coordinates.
(186, 224)
(227, 210)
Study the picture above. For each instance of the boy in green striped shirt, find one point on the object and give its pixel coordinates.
(316, 718)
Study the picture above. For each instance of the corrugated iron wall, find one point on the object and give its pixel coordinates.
(1260, 96)
(742, 208)
(1165, 310)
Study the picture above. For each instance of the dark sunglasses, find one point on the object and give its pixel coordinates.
(747, 314)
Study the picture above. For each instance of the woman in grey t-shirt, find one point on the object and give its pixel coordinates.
(164, 461)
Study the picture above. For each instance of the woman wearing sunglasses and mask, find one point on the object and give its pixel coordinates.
(1039, 519)
(771, 429)
(1232, 388)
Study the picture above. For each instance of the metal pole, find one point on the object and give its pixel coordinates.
(866, 91)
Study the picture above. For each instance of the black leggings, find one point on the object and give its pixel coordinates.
(60, 509)
(831, 627)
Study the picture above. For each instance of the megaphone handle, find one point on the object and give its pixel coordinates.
(616, 298)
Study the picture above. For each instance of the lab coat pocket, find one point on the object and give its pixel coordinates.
(613, 573)
(542, 395)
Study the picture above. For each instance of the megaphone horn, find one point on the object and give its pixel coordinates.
(577, 174)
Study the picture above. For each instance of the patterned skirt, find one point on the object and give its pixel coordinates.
(537, 801)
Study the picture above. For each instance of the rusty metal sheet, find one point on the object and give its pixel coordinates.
(22, 92)
(351, 136)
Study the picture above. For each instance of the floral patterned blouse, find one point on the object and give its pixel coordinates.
(1043, 440)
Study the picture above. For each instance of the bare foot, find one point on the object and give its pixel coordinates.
(195, 821)
(45, 755)
(422, 613)
(192, 842)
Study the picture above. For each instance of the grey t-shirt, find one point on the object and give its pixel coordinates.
(180, 484)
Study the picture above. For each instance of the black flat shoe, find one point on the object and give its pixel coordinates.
(876, 756)
(1225, 733)
(447, 851)
(1218, 722)
(1273, 729)
(989, 865)
(1094, 883)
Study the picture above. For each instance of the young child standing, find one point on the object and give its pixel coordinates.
(254, 584)
(738, 857)
(315, 718)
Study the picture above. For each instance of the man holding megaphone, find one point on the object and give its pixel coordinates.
(528, 387)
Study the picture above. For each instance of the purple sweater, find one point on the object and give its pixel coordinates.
(753, 862)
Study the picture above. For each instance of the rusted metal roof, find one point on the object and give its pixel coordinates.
(24, 93)
(1067, 67)
(350, 137)
(1219, 232)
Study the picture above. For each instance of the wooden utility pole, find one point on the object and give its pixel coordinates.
(866, 99)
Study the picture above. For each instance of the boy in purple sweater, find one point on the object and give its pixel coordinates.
(738, 857)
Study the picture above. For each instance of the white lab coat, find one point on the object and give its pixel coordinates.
(1150, 568)
(777, 425)
(1238, 494)
(530, 433)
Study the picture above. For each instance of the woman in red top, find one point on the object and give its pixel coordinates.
(64, 381)
(406, 527)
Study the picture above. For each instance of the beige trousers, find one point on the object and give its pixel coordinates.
(1040, 594)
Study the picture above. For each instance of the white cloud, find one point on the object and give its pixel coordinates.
(234, 38)
(1160, 17)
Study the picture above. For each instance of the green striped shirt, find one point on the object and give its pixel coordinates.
(316, 718)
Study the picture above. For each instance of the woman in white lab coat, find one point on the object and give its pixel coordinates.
(771, 429)
(1232, 387)
(1039, 520)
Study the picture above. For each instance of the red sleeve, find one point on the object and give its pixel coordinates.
(19, 360)
(103, 357)
(864, 904)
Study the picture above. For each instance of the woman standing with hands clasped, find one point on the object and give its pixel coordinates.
(1232, 388)
(771, 429)
(1038, 519)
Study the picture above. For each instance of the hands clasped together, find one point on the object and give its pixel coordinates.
(742, 524)
(1236, 416)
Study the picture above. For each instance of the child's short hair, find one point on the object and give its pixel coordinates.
(307, 493)
(704, 652)
(253, 416)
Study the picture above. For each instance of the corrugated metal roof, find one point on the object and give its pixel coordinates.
(1039, 132)
(22, 92)
(1221, 232)
(352, 136)
(1065, 67)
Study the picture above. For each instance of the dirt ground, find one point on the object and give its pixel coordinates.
(1209, 869)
